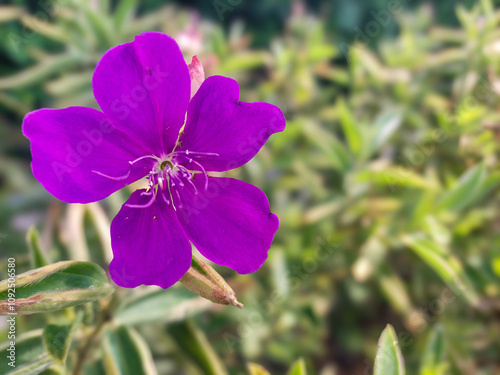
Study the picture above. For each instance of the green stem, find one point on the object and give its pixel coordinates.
(104, 318)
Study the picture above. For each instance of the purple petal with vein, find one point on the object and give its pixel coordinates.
(144, 88)
(229, 223)
(149, 245)
(217, 122)
(67, 145)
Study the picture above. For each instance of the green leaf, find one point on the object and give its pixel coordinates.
(244, 61)
(466, 190)
(41, 71)
(433, 362)
(33, 368)
(389, 360)
(333, 149)
(9, 13)
(351, 129)
(445, 265)
(167, 305)
(38, 258)
(395, 290)
(195, 345)
(30, 355)
(126, 353)
(437, 230)
(298, 368)
(69, 83)
(55, 287)
(46, 29)
(100, 26)
(57, 339)
(394, 177)
(382, 129)
(256, 369)
(124, 12)
(56, 369)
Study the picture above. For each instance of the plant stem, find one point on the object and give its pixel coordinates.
(104, 318)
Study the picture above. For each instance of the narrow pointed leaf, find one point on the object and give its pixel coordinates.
(100, 27)
(57, 339)
(9, 13)
(55, 287)
(256, 369)
(351, 129)
(389, 360)
(433, 362)
(39, 72)
(195, 345)
(126, 353)
(30, 355)
(38, 258)
(298, 368)
(333, 149)
(466, 190)
(124, 12)
(444, 264)
(46, 29)
(383, 128)
(167, 305)
(395, 177)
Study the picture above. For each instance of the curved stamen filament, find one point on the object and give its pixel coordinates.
(167, 176)
(188, 176)
(131, 163)
(176, 178)
(195, 154)
(151, 201)
(201, 168)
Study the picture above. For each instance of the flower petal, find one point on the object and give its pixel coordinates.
(67, 145)
(197, 74)
(229, 223)
(149, 245)
(217, 122)
(144, 88)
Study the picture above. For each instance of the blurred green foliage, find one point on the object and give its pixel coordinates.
(385, 182)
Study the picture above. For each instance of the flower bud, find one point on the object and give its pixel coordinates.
(205, 281)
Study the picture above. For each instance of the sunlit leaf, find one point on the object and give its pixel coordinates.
(298, 368)
(329, 145)
(9, 13)
(432, 362)
(396, 177)
(445, 265)
(124, 12)
(126, 353)
(244, 61)
(194, 344)
(389, 360)
(168, 305)
(350, 126)
(383, 128)
(466, 190)
(30, 356)
(256, 369)
(38, 258)
(39, 72)
(55, 287)
(57, 339)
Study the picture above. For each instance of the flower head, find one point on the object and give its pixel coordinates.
(147, 94)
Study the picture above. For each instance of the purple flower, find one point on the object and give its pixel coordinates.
(153, 125)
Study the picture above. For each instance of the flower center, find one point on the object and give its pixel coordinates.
(168, 175)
